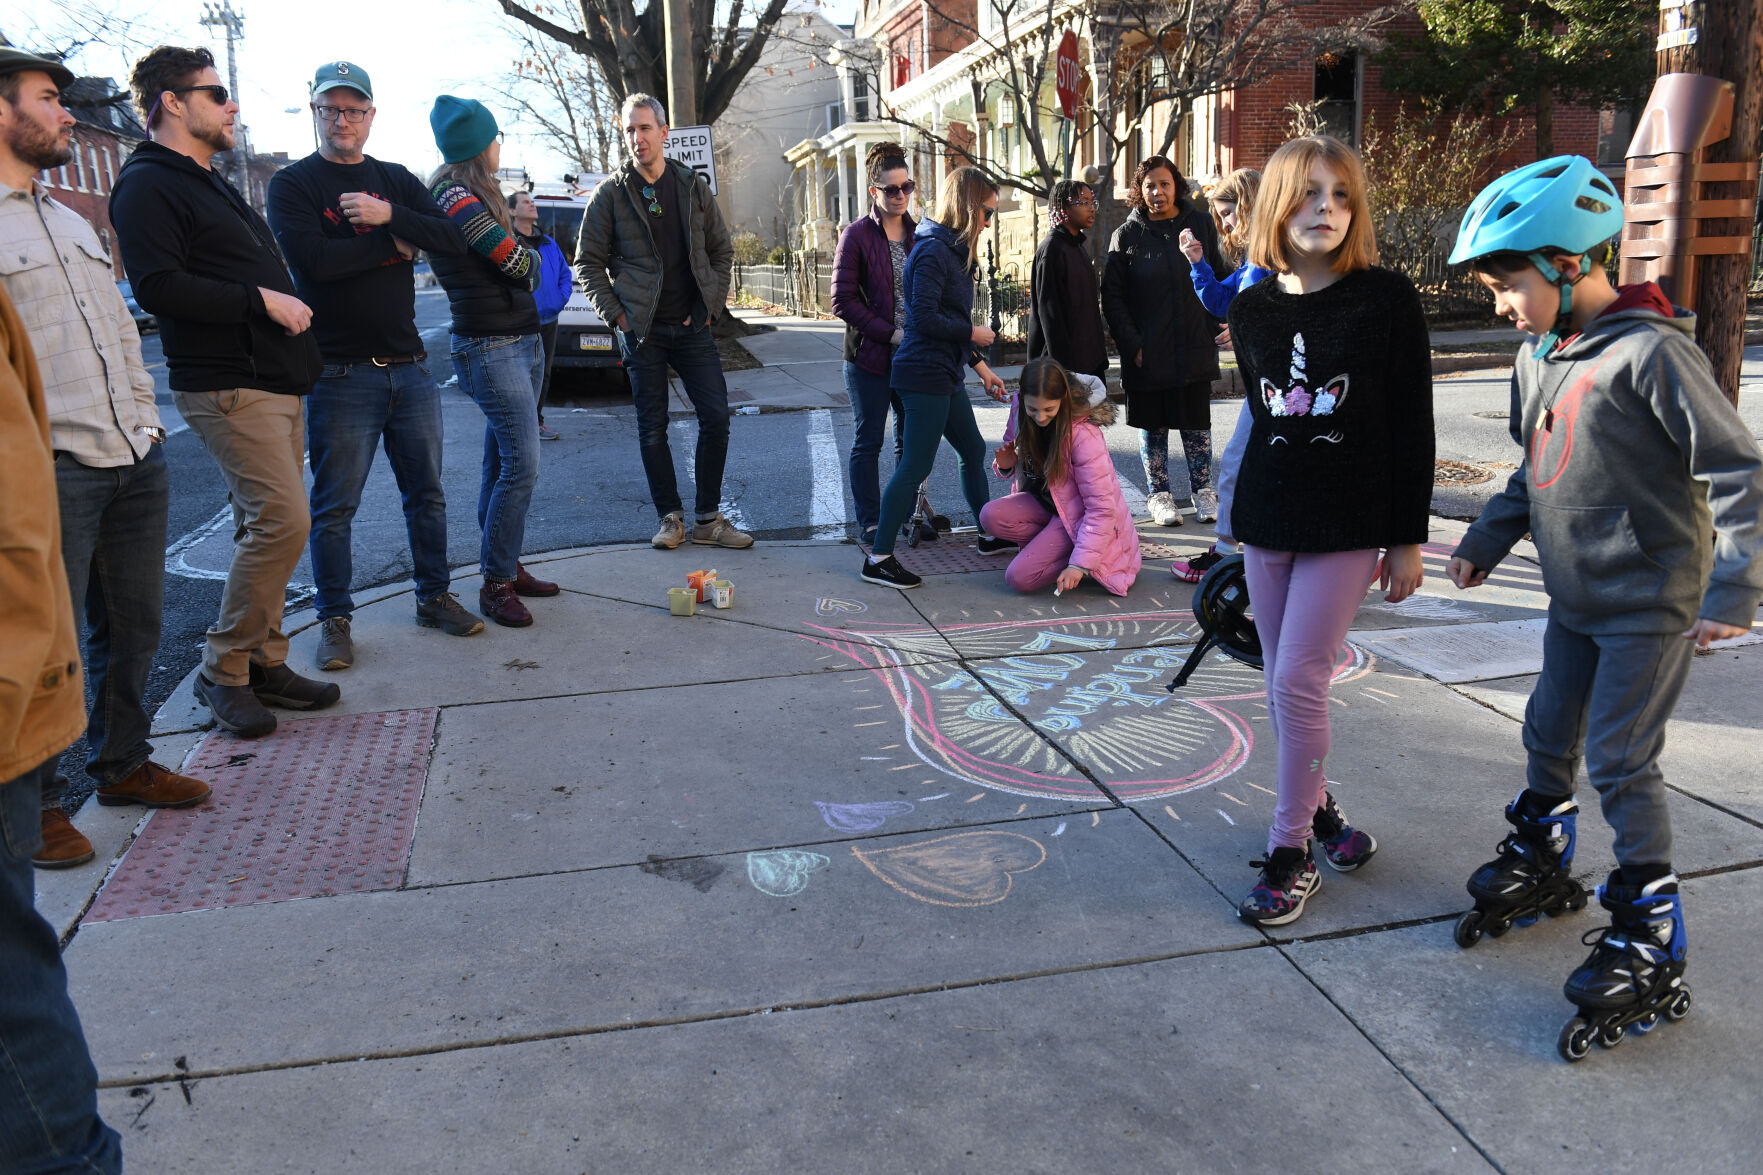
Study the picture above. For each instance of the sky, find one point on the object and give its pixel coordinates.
(412, 50)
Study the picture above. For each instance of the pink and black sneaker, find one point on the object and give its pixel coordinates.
(1195, 569)
(1288, 878)
(1343, 846)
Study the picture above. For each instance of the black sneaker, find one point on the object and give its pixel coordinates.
(992, 545)
(277, 685)
(889, 573)
(446, 613)
(1288, 879)
(236, 708)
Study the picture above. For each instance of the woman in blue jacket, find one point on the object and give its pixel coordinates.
(928, 373)
(556, 284)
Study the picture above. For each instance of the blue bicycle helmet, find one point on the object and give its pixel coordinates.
(1562, 204)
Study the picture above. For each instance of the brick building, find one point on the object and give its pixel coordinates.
(106, 132)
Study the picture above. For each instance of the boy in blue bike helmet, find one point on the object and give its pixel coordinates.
(1632, 457)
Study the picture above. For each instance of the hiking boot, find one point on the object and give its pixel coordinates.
(1344, 847)
(64, 846)
(336, 649)
(277, 685)
(720, 532)
(235, 708)
(1288, 879)
(496, 599)
(446, 613)
(1206, 505)
(672, 532)
(992, 545)
(1163, 510)
(889, 573)
(527, 584)
(152, 786)
(1195, 569)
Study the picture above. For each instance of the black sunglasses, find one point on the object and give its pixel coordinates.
(895, 191)
(218, 93)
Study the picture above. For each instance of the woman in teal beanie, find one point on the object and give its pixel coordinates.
(496, 349)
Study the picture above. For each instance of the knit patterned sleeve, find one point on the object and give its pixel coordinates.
(487, 238)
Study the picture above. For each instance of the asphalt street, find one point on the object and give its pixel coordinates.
(785, 480)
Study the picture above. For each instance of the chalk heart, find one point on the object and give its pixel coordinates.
(860, 817)
(783, 873)
(831, 606)
(965, 870)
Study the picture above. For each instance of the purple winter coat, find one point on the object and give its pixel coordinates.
(863, 290)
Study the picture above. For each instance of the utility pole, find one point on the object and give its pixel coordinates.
(682, 87)
(222, 16)
(1722, 39)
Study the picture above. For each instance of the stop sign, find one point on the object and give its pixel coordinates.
(1067, 74)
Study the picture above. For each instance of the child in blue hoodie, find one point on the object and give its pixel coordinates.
(1632, 457)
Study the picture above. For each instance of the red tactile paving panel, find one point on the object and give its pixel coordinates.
(322, 806)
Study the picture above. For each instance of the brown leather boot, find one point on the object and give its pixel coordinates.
(496, 600)
(152, 786)
(526, 584)
(64, 846)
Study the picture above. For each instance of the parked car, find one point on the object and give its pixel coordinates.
(144, 322)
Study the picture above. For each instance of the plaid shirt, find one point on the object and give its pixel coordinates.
(99, 395)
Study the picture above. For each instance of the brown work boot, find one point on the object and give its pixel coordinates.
(152, 786)
(496, 599)
(64, 846)
(528, 584)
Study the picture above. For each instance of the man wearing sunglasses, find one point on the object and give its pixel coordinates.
(1065, 311)
(241, 360)
(351, 225)
(655, 258)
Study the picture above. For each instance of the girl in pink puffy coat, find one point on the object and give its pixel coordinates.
(1068, 514)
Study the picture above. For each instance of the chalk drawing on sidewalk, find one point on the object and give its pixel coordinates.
(966, 869)
(783, 873)
(860, 817)
(832, 606)
(1034, 694)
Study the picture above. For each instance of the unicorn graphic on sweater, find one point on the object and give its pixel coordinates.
(1301, 399)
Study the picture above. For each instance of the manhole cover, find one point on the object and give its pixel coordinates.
(1503, 415)
(1457, 473)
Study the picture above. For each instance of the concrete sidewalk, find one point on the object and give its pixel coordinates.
(856, 880)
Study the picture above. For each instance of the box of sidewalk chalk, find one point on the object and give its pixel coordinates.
(700, 581)
(722, 594)
(682, 601)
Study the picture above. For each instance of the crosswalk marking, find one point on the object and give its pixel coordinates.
(826, 509)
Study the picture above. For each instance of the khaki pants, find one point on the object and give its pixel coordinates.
(258, 440)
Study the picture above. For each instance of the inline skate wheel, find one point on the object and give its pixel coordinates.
(1575, 902)
(1645, 1024)
(1611, 1035)
(1467, 932)
(1495, 927)
(1679, 1007)
(1575, 1041)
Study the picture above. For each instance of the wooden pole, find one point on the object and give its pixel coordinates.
(682, 87)
(1728, 44)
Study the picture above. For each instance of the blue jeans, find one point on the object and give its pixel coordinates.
(692, 352)
(503, 374)
(49, 1120)
(870, 398)
(353, 407)
(928, 419)
(113, 545)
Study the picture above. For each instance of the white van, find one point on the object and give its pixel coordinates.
(583, 338)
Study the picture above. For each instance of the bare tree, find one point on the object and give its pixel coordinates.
(629, 47)
(563, 95)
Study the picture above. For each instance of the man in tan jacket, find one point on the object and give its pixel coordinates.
(52, 1086)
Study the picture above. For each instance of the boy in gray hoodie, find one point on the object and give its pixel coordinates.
(1632, 457)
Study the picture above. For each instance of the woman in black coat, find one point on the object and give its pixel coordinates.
(1166, 339)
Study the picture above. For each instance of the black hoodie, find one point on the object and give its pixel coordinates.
(196, 255)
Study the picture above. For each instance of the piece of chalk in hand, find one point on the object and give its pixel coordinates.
(1058, 591)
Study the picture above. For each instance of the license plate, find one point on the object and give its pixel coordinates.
(596, 342)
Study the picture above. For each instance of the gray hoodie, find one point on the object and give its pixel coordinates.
(1632, 456)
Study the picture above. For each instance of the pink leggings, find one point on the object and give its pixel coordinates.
(1302, 605)
(1045, 546)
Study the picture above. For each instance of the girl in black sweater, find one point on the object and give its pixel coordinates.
(1337, 467)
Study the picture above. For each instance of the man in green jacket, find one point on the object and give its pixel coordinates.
(654, 258)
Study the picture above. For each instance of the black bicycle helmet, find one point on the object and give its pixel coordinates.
(1221, 606)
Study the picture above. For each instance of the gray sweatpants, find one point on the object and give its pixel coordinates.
(1606, 699)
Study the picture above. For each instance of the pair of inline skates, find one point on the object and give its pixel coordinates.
(1634, 976)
